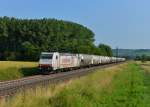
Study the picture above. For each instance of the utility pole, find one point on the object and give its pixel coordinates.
(117, 53)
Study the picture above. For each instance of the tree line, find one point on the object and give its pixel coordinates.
(25, 39)
(142, 58)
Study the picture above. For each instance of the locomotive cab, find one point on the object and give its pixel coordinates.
(48, 61)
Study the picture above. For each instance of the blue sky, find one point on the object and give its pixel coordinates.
(119, 23)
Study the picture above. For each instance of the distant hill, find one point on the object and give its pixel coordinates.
(131, 53)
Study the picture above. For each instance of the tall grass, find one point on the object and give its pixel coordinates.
(121, 86)
(14, 69)
(77, 93)
(146, 68)
(128, 88)
(125, 88)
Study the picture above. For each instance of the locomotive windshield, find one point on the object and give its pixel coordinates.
(46, 56)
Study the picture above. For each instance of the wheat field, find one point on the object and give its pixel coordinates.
(16, 69)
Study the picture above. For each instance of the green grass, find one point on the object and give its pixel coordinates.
(126, 85)
(14, 69)
(146, 67)
(128, 88)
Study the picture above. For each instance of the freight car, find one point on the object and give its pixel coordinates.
(55, 61)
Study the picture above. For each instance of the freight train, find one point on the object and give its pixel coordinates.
(55, 61)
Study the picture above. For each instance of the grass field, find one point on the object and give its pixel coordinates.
(13, 70)
(126, 85)
(145, 65)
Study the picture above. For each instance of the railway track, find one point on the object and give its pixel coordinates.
(9, 88)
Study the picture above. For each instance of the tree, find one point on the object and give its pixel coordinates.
(24, 39)
(143, 58)
(29, 51)
(105, 50)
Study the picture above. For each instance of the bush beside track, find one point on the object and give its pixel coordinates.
(14, 69)
(124, 85)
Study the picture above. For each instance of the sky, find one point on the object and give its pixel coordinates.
(118, 23)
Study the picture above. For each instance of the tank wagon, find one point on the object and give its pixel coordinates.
(54, 61)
